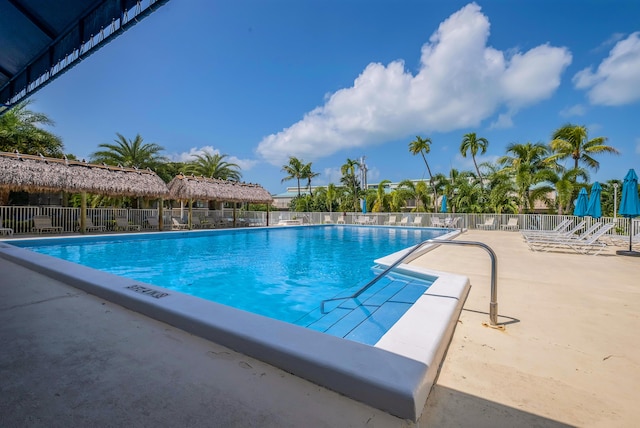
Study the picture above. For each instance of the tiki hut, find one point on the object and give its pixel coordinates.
(189, 188)
(41, 174)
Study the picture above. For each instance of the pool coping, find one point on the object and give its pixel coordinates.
(395, 375)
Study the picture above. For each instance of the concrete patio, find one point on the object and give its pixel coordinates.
(569, 356)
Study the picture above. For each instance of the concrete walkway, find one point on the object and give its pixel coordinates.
(569, 356)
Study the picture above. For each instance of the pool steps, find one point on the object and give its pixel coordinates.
(367, 318)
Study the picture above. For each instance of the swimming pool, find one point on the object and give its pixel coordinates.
(394, 374)
(282, 273)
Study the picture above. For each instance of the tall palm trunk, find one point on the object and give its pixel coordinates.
(431, 183)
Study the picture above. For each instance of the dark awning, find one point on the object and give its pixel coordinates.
(40, 40)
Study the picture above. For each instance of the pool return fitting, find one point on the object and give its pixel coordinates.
(493, 304)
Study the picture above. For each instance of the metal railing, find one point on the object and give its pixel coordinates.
(493, 304)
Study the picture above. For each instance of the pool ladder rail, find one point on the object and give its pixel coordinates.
(493, 304)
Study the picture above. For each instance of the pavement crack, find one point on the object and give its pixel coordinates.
(37, 302)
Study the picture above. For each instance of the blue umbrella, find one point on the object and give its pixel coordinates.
(630, 206)
(364, 205)
(443, 207)
(580, 209)
(593, 206)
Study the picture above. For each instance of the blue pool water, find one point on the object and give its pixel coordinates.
(282, 273)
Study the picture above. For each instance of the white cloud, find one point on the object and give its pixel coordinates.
(575, 110)
(617, 79)
(461, 82)
(504, 120)
(244, 164)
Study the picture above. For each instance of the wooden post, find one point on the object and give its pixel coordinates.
(161, 214)
(83, 212)
(190, 214)
(268, 214)
(234, 214)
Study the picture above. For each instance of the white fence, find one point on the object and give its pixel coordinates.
(19, 218)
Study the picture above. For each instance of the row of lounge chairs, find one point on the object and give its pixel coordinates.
(590, 241)
(448, 222)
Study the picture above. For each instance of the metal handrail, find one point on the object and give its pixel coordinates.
(493, 304)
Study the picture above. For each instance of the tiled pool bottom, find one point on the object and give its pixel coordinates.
(367, 318)
(394, 375)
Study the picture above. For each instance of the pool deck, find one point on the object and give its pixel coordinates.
(570, 355)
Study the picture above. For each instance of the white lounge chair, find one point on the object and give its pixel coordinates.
(363, 219)
(177, 225)
(327, 219)
(122, 223)
(451, 222)
(5, 230)
(391, 221)
(561, 227)
(587, 242)
(417, 221)
(436, 222)
(489, 223)
(547, 239)
(512, 224)
(620, 240)
(42, 223)
(341, 220)
(404, 221)
(542, 235)
(89, 226)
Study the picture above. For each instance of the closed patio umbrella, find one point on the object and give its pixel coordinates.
(594, 208)
(630, 208)
(443, 206)
(580, 210)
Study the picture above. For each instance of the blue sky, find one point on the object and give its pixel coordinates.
(329, 80)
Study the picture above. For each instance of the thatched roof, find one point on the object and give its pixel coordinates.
(190, 187)
(41, 174)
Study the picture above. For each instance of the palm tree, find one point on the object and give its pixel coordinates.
(382, 198)
(332, 193)
(214, 166)
(20, 130)
(502, 189)
(525, 163)
(350, 181)
(398, 198)
(295, 169)
(129, 153)
(309, 175)
(470, 143)
(423, 146)
(573, 141)
(417, 191)
(468, 195)
(564, 183)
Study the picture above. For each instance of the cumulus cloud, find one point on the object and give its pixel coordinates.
(504, 120)
(461, 81)
(616, 81)
(244, 164)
